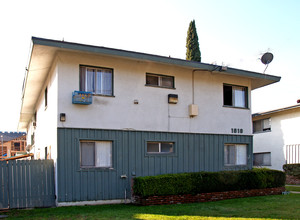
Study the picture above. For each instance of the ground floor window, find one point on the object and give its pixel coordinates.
(159, 147)
(262, 159)
(95, 154)
(235, 154)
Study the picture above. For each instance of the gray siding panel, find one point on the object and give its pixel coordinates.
(27, 184)
(192, 153)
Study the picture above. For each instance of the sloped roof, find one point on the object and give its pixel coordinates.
(275, 111)
(43, 52)
(8, 136)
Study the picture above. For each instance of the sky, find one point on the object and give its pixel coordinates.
(234, 33)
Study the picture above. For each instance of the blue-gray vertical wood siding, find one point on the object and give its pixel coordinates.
(27, 184)
(192, 153)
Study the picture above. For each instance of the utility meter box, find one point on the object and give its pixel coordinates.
(193, 110)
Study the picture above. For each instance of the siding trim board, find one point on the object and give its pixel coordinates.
(192, 153)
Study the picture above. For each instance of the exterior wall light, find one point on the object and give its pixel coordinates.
(62, 117)
(172, 98)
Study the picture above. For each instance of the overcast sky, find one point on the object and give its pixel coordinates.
(233, 32)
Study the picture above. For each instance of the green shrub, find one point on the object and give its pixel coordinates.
(292, 169)
(203, 182)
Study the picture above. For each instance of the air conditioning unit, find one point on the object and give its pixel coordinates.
(82, 98)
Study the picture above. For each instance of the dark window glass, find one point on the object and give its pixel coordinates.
(152, 80)
(228, 95)
(153, 147)
(87, 154)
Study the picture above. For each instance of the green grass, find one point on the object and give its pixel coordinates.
(265, 207)
(292, 188)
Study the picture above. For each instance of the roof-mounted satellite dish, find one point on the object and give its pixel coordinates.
(266, 59)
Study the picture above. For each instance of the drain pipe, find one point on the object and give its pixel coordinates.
(124, 177)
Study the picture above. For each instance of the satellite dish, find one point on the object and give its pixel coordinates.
(267, 58)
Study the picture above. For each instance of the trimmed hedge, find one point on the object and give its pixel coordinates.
(205, 182)
(292, 169)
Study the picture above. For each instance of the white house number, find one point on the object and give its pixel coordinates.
(237, 131)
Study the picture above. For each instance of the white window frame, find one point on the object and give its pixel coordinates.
(234, 98)
(160, 80)
(96, 90)
(264, 163)
(98, 161)
(159, 147)
(238, 150)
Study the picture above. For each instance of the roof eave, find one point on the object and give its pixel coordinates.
(275, 111)
(257, 80)
(269, 79)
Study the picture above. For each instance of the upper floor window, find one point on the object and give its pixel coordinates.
(262, 125)
(159, 80)
(235, 96)
(96, 80)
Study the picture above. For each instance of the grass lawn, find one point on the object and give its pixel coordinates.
(264, 207)
(293, 188)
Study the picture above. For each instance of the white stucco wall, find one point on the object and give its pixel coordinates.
(153, 111)
(284, 131)
(46, 123)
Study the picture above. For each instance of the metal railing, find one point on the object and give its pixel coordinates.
(292, 153)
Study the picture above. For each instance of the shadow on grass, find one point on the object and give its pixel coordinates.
(271, 207)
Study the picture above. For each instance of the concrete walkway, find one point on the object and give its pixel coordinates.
(296, 192)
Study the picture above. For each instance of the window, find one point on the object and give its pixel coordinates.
(235, 96)
(46, 97)
(159, 147)
(96, 80)
(159, 80)
(262, 125)
(262, 159)
(95, 154)
(33, 139)
(17, 146)
(235, 154)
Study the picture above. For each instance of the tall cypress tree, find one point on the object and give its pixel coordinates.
(192, 45)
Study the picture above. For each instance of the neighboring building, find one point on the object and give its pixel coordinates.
(13, 144)
(276, 137)
(106, 115)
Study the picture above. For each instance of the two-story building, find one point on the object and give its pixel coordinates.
(276, 138)
(12, 144)
(106, 115)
